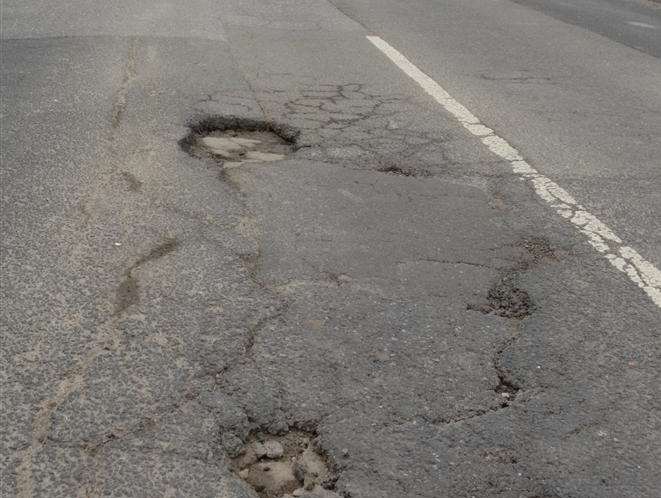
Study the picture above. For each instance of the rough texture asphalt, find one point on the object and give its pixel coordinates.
(390, 287)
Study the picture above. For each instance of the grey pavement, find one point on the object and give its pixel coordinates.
(390, 289)
(582, 109)
(634, 23)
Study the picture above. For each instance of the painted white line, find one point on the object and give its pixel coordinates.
(624, 258)
(641, 24)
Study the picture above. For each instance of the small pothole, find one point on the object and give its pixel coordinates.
(507, 390)
(538, 249)
(509, 301)
(233, 141)
(505, 299)
(402, 170)
(285, 466)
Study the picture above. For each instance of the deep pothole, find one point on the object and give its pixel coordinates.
(233, 141)
(290, 465)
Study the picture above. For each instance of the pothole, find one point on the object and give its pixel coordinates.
(509, 301)
(291, 465)
(403, 171)
(538, 249)
(505, 299)
(506, 389)
(237, 147)
(233, 141)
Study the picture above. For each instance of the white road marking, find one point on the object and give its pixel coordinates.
(624, 258)
(641, 24)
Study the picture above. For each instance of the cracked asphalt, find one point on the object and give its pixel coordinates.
(390, 287)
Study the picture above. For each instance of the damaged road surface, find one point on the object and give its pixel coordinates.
(244, 256)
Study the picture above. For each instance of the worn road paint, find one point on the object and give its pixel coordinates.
(641, 24)
(624, 258)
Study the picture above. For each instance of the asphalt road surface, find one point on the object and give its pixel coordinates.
(430, 270)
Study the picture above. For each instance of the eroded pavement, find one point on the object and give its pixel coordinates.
(388, 293)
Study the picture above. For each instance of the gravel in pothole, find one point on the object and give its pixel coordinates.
(285, 466)
(235, 147)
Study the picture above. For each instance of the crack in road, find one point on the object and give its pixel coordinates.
(128, 291)
(128, 75)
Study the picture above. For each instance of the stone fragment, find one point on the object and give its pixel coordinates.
(259, 449)
(273, 449)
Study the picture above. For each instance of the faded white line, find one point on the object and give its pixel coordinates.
(603, 239)
(641, 24)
